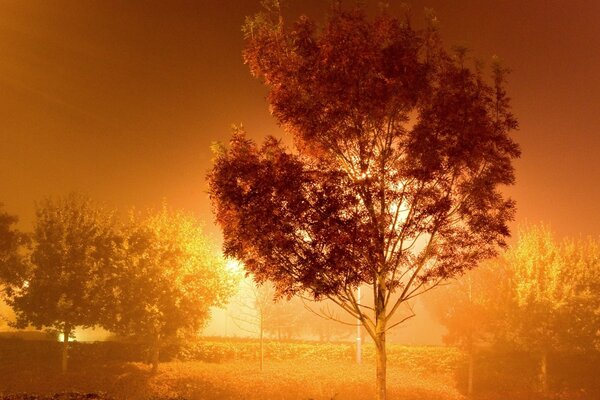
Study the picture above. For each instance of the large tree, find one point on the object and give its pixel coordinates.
(168, 278)
(400, 150)
(73, 247)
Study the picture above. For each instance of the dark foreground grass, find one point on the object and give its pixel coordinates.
(230, 380)
(221, 370)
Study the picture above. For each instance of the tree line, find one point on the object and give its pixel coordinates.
(153, 276)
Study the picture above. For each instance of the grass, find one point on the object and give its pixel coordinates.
(299, 379)
(220, 369)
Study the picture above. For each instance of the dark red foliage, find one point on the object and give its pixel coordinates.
(400, 152)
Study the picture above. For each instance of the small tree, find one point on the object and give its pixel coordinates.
(400, 149)
(167, 280)
(256, 311)
(473, 308)
(73, 244)
(252, 309)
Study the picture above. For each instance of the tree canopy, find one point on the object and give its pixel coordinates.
(72, 248)
(168, 277)
(400, 150)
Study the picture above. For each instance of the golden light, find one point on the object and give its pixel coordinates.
(234, 265)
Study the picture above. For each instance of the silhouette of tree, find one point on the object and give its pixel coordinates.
(400, 149)
(12, 252)
(13, 265)
(72, 248)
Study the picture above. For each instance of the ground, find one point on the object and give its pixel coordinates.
(195, 380)
(218, 369)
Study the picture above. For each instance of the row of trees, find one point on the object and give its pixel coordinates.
(540, 296)
(152, 277)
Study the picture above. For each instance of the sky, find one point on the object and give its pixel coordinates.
(122, 99)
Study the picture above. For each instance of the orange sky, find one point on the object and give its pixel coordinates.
(121, 99)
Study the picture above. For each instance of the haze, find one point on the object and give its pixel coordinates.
(122, 102)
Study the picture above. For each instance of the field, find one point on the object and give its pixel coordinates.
(230, 370)
(231, 380)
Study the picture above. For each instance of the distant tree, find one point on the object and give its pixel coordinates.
(12, 255)
(394, 183)
(326, 320)
(72, 247)
(287, 319)
(169, 277)
(555, 295)
(250, 311)
(539, 296)
(473, 308)
(582, 310)
(13, 265)
(255, 310)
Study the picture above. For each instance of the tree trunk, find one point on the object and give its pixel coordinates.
(470, 376)
(544, 372)
(358, 332)
(381, 364)
(262, 350)
(155, 353)
(65, 347)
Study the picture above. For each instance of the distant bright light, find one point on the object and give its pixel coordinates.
(61, 338)
(234, 265)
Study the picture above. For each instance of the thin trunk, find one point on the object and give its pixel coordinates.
(470, 377)
(262, 350)
(380, 328)
(470, 343)
(155, 353)
(65, 347)
(358, 338)
(544, 372)
(381, 365)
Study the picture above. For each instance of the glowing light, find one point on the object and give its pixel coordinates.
(234, 265)
(61, 338)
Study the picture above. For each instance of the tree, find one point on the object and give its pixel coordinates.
(13, 245)
(12, 255)
(323, 320)
(254, 307)
(167, 279)
(73, 244)
(539, 296)
(554, 295)
(582, 309)
(473, 308)
(400, 149)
